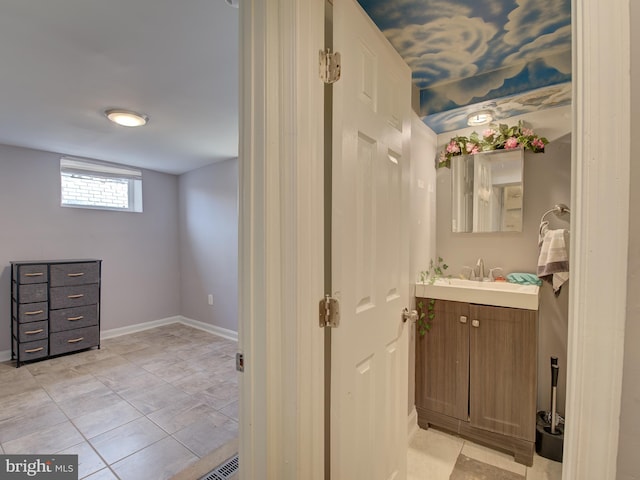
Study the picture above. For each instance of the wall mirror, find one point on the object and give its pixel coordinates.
(487, 192)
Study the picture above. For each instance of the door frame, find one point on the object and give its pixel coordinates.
(281, 247)
(280, 162)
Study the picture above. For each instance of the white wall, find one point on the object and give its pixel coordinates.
(209, 244)
(547, 181)
(140, 269)
(629, 437)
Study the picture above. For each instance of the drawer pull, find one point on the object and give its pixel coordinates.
(37, 274)
(75, 340)
(35, 312)
(79, 274)
(73, 319)
(33, 332)
(34, 350)
(77, 295)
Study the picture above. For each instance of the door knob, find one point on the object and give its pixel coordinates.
(475, 323)
(409, 315)
(463, 319)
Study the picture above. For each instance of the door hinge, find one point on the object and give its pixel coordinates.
(240, 362)
(329, 66)
(329, 312)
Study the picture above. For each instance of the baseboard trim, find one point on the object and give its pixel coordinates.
(139, 327)
(5, 355)
(207, 327)
(412, 425)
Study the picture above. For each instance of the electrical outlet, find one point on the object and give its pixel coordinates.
(210, 299)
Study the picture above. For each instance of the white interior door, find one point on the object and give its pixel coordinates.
(370, 251)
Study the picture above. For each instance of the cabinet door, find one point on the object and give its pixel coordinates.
(503, 346)
(442, 360)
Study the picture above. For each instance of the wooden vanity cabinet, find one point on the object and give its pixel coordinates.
(476, 375)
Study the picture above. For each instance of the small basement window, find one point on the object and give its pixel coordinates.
(100, 185)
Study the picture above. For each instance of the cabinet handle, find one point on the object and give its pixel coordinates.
(75, 340)
(77, 295)
(37, 274)
(79, 274)
(34, 312)
(475, 323)
(73, 319)
(34, 350)
(463, 319)
(33, 332)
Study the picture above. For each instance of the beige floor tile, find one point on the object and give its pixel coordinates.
(99, 421)
(91, 401)
(122, 441)
(30, 421)
(178, 416)
(130, 385)
(74, 386)
(159, 461)
(19, 403)
(104, 474)
(18, 381)
(432, 455)
(88, 460)
(231, 410)
(107, 392)
(45, 441)
(156, 398)
(197, 382)
(544, 469)
(172, 372)
(205, 436)
(493, 457)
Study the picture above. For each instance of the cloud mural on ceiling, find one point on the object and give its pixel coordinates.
(465, 52)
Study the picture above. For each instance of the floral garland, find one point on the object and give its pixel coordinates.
(501, 137)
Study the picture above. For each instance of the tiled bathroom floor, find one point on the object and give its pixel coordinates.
(144, 406)
(433, 454)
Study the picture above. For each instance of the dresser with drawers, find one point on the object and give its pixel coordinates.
(55, 308)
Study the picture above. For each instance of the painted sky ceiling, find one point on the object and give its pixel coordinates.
(468, 54)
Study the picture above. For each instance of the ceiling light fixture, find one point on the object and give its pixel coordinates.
(479, 118)
(126, 118)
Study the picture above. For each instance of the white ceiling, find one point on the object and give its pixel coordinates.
(63, 62)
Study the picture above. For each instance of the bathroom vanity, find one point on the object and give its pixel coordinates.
(476, 367)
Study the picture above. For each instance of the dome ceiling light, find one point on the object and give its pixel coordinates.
(479, 118)
(126, 118)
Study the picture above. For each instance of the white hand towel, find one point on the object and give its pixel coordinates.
(553, 262)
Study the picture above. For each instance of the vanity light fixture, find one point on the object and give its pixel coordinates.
(481, 117)
(126, 118)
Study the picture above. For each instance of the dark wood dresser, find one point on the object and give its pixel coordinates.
(55, 308)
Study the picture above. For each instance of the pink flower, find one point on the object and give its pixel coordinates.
(490, 132)
(511, 143)
(472, 148)
(453, 147)
(537, 143)
(527, 132)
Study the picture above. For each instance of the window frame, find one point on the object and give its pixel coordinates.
(99, 170)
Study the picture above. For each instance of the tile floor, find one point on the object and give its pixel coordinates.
(144, 406)
(149, 404)
(433, 454)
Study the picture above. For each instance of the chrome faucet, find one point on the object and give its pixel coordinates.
(480, 267)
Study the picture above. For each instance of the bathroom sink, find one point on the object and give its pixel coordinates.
(500, 294)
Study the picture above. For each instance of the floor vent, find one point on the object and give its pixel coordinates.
(223, 471)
